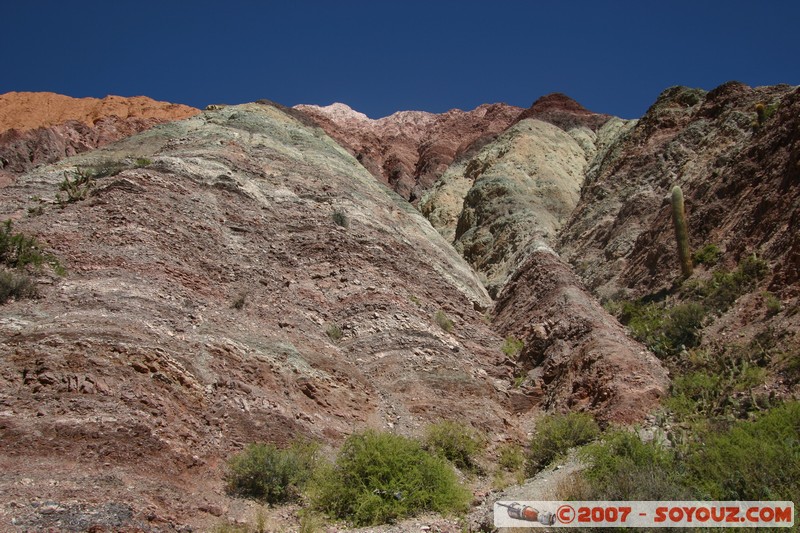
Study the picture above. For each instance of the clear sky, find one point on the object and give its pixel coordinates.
(381, 56)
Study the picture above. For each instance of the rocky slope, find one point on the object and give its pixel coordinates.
(515, 193)
(410, 150)
(200, 312)
(739, 183)
(39, 128)
(575, 356)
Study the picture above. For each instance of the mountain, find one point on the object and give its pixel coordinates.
(410, 150)
(257, 273)
(40, 128)
(205, 294)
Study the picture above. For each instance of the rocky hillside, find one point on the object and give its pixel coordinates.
(517, 191)
(257, 273)
(40, 128)
(410, 150)
(242, 278)
(739, 179)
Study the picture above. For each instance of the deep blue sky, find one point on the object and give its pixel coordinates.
(381, 56)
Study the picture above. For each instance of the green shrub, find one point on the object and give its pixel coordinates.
(751, 460)
(443, 321)
(334, 332)
(77, 183)
(556, 434)
(622, 467)
(340, 219)
(664, 330)
(510, 457)
(455, 442)
(754, 460)
(18, 250)
(707, 255)
(381, 477)
(725, 287)
(512, 347)
(267, 473)
(142, 162)
(772, 304)
(15, 285)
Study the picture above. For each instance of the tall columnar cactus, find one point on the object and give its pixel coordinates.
(681, 233)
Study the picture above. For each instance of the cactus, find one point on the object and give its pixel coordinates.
(681, 233)
(761, 114)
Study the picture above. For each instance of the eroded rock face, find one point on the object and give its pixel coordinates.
(41, 128)
(578, 356)
(410, 150)
(738, 181)
(199, 313)
(517, 190)
(562, 111)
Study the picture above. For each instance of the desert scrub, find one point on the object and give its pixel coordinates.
(725, 288)
(334, 332)
(78, 182)
(443, 321)
(510, 457)
(707, 255)
(380, 477)
(240, 301)
(756, 459)
(512, 347)
(723, 465)
(622, 467)
(266, 473)
(16, 285)
(20, 253)
(555, 435)
(455, 442)
(18, 250)
(668, 329)
(340, 219)
(772, 303)
(664, 330)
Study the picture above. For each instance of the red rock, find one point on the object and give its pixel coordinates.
(410, 150)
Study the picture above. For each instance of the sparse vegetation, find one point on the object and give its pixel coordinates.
(142, 162)
(18, 253)
(381, 477)
(705, 463)
(772, 303)
(664, 330)
(17, 250)
(512, 347)
(334, 332)
(77, 183)
(510, 457)
(668, 329)
(725, 287)
(443, 321)
(240, 301)
(455, 442)
(340, 219)
(267, 473)
(16, 285)
(622, 467)
(707, 255)
(556, 434)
